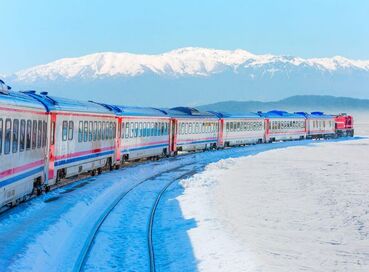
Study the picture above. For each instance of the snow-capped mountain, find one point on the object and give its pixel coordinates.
(181, 62)
(195, 76)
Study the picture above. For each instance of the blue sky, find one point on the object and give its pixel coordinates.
(39, 31)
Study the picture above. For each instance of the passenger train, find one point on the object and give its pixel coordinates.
(44, 139)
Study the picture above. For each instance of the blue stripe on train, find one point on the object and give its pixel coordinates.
(95, 155)
(21, 176)
(144, 147)
(198, 142)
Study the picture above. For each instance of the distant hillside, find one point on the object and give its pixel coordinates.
(294, 103)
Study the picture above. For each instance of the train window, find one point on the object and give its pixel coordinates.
(90, 127)
(114, 130)
(130, 131)
(28, 134)
(162, 128)
(135, 127)
(227, 126)
(70, 130)
(44, 134)
(22, 135)
(1, 135)
(94, 131)
(65, 131)
(39, 134)
(127, 130)
(102, 131)
(139, 131)
(85, 131)
(80, 131)
(99, 130)
(15, 135)
(8, 136)
(122, 131)
(34, 134)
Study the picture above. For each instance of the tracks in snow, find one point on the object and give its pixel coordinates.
(180, 172)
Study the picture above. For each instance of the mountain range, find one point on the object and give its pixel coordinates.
(194, 76)
(306, 103)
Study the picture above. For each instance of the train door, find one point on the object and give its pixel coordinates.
(267, 129)
(51, 155)
(221, 133)
(173, 136)
(118, 140)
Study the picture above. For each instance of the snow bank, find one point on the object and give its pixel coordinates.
(297, 209)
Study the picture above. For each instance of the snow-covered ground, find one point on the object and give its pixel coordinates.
(302, 208)
(270, 207)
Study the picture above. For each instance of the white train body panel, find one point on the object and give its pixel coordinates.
(196, 133)
(320, 126)
(240, 131)
(23, 144)
(143, 136)
(83, 142)
(286, 129)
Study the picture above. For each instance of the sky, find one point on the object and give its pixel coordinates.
(39, 31)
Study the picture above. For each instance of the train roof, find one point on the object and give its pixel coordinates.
(316, 114)
(133, 111)
(19, 99)
(186, 112)
(281, 114)
(235, 115)
(53, 103)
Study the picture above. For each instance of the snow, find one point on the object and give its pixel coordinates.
(302, 208)
(49, 232)
(192, 61)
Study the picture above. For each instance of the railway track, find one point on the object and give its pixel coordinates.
(84, 253)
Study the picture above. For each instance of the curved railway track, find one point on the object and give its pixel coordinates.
(84, 253)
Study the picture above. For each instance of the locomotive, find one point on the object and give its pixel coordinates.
(44, 139)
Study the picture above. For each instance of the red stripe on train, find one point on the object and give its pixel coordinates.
(22, 168)
(82, 153)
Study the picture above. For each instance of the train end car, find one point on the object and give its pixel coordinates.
(240, 129)
(23, 146)
(344, 125)
(282, 126)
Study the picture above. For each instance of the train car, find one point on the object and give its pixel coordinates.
(282, 125)
(23, 142)
(344, 125)
(319, 125)
(142, 132)
(241, 129)
(192, 130)
(81, 136)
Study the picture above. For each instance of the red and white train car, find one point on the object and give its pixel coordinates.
(143, 133)
(82, 137)
(282, 125)
(320, 125)
(240, 129)
(23, 146)
(193, 130)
